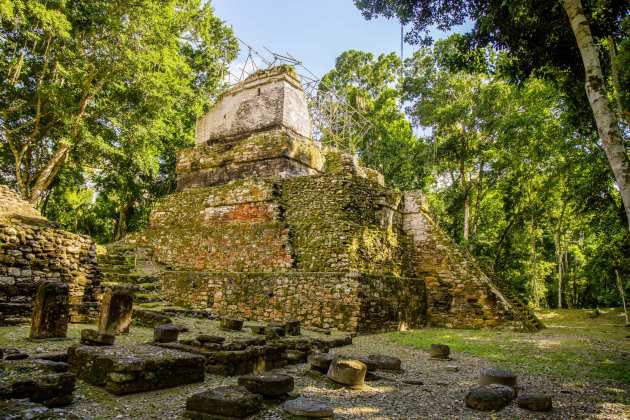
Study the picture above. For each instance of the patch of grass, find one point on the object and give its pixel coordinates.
(573, 346)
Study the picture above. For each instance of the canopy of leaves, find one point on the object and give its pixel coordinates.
(371, 122)
(537, 188)
(103, 91)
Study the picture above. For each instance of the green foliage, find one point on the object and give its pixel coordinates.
(376, 128)
(517, 183)
(103, 92)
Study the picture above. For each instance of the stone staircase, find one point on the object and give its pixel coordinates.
(455, 277)
(131, 265)
(520, 310)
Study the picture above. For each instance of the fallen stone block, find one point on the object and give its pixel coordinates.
(274, 333)
(125, 370)
(24, 409)
(279, 328)
(380, 362)
(149, 319)
(320, 362)
(231, 324)
(347, 372)
(50, 311)
(489, 397)
(257, 329)
(10, 353)
(268, 385)
(40, 381)
(535, 402)
(318, 330)
(91, 337)
(497, 376)
(296, 356)
(293, 327)
(215, 339)
(61, 356)
(309, 408)
(440, 351)
(165, 333)
(225, 401)
(191, 313)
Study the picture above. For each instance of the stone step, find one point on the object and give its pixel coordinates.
(147, 297)
(133, 278)
(121, 269)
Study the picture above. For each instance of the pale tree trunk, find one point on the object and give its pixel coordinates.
(623, 295)
(560, 268)
(464, 185)
(605, 118)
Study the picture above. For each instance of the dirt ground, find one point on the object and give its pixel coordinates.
(436, 392)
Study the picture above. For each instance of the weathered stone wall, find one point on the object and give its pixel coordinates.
(347, 301)
(344, 224)
(33, 250)
(274, 154)
(268, 99)
(230, 227)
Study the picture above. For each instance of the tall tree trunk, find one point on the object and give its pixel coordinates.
(48, 173)
(622, 112)
(623, 295)
(557, 240)
(464, 186)
(605, 118)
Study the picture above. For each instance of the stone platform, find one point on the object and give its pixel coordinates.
(244, 356)
(125, 370)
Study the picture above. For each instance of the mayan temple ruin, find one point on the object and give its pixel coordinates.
(267, 224)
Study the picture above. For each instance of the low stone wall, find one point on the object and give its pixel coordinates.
(33, 250)
(346, 301)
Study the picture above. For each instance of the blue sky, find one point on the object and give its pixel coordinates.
(314, 31)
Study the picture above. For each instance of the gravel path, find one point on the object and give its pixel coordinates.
(437, 393)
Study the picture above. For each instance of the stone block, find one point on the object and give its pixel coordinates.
(140, 368)
(50, 311)
(347, 372)
(231, 324)
(439, 351)
(223, 403)
(307, 408)
(267, 384)
(497, 376)
(534, 401)
(492, 397)
(40, 381)
(381, 362)
(116, 310)
(293, 327)
(165, 333)
(321, 362)
(150, 319)
(92, 337)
